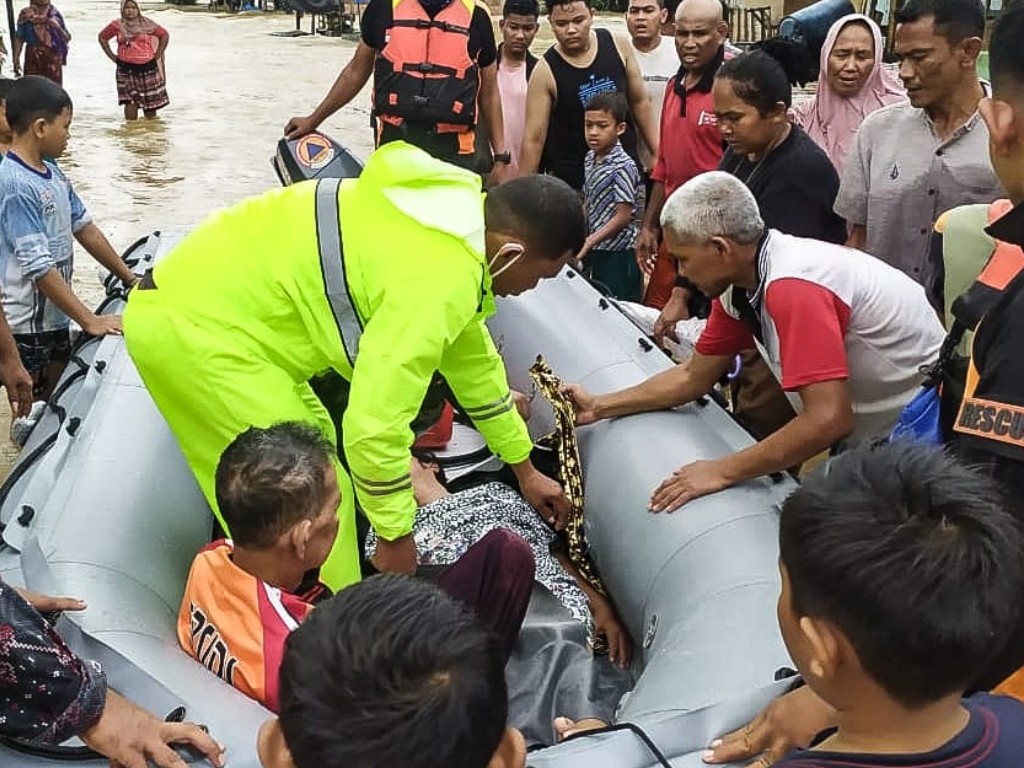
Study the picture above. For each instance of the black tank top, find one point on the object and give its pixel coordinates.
(565, 146)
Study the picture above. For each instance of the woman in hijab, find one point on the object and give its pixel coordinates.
(44, 36)
(853, 84)
(140, 66)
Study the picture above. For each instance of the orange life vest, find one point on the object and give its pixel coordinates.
(424, 73)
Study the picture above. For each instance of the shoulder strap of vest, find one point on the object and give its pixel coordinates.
(332, 266)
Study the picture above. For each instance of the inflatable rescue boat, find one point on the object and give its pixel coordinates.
(101, 505)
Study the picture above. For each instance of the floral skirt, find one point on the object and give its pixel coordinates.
(43, 61)
(142, 84)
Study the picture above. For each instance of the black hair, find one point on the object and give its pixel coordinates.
(33, 97)
(544, 211)
(268, 480)
(392, 672)
(549, 4)
(612, 102)
(913, 557)
(1005, 49)
(5, 87)
(759, 80)
(955, 20)
(520, 8)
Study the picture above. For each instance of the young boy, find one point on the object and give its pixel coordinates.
(5, 129)
(611, 188)
(277, 489)
(901, 572)
(39, 214)
(389, 673)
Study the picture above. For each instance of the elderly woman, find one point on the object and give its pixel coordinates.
(853, 84)
(41, 32)
(140, 66)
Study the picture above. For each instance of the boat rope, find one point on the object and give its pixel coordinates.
(639, 732)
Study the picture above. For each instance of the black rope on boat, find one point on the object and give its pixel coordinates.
(37, 453)
(639, 732)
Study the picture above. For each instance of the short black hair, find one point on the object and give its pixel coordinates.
(955, 20)
(5, 87)
(544, 211)
(269, 479)
(392, 672)
(33, 97)
(759, 79)
(612, 102)
(1005, 48)
(520, 8)
(549, 4)
(912, 556)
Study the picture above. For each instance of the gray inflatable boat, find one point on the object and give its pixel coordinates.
(101, 505)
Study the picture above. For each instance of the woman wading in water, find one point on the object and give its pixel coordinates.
(44, 36)
(140, 66)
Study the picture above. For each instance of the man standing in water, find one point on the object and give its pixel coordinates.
(411, 102)
(385, 279)
(583, 63)
(657, 59)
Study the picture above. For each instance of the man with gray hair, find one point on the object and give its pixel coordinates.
(845, 333)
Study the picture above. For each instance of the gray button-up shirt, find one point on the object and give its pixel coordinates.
(900, 177)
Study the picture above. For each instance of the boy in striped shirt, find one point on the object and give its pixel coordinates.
(611, 189)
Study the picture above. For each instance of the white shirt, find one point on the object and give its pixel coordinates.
(657, 68)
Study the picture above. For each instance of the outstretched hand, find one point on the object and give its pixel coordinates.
(586, 404)
(547, 497)
(131, 737)
(48, 604)
(790, 722)
(687, 483)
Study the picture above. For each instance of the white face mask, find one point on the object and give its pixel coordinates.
(506, 248)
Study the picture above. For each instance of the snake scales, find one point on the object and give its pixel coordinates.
(563, 441)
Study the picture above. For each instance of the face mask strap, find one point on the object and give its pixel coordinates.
(520, 250)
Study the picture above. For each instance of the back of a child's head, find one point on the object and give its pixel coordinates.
(612, 102)
(32, 98)
(270, 479)
(392, 672)
(912, 557)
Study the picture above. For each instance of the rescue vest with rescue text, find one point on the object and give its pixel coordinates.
(981, 417)
(424, 74)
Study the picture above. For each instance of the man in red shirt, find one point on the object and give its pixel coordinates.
(690, 143)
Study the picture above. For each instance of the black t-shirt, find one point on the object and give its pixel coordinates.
(379, 17)
(795, 186)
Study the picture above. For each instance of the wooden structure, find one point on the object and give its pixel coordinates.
(750, 25)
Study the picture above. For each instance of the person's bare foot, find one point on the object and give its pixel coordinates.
(565, 727)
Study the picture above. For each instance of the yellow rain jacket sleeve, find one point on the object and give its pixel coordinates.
(413, 235)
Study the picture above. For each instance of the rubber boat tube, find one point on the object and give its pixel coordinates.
(101, 505)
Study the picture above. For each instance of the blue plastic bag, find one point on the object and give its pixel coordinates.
(920, 419)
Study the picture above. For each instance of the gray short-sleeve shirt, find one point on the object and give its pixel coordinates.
(900, 177)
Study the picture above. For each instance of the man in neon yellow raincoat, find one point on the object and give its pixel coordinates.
(231, 326)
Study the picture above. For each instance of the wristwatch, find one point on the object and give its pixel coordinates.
(505, 158)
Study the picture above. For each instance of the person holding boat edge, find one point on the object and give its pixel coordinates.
(385, 279)
(844, 333)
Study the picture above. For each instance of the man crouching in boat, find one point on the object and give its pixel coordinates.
(385, 279)
(845, 333)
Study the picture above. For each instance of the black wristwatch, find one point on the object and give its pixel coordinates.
(505, 158)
